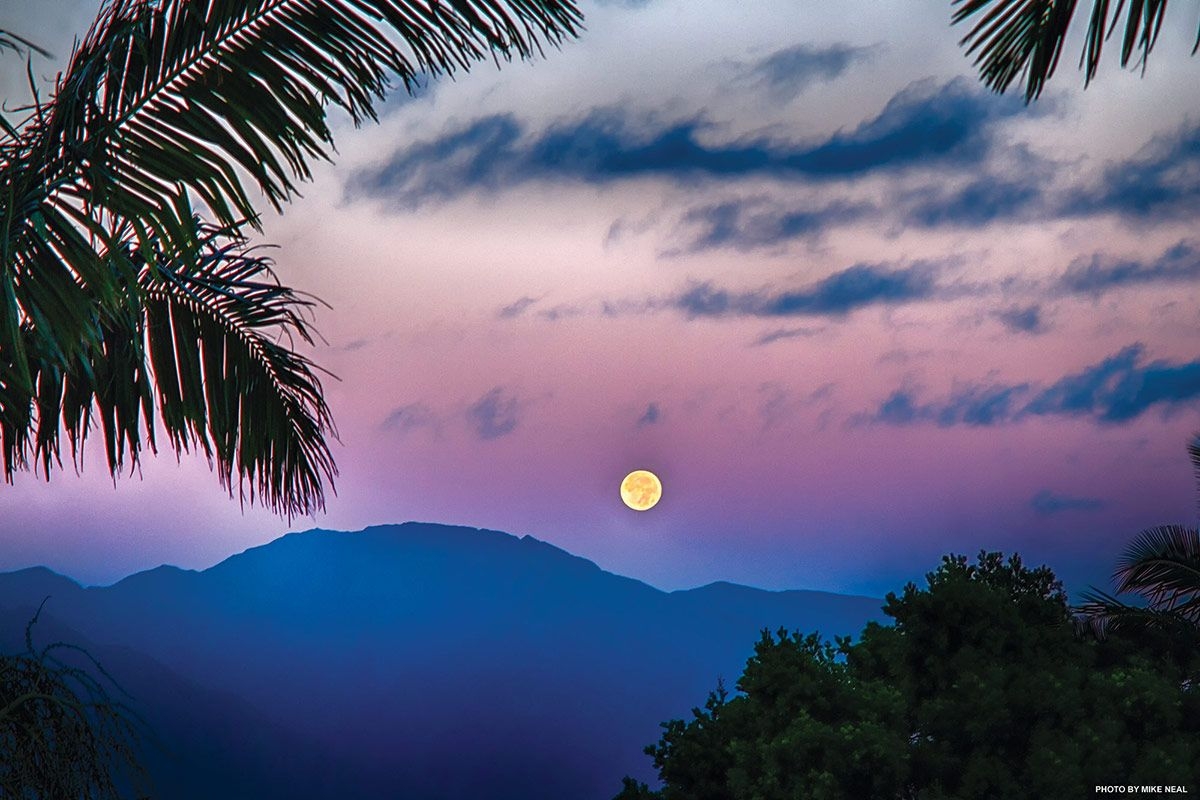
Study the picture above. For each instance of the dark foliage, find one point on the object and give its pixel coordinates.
(169, 108)
(1013, 39)
(62, 734)
(980, 689)
(1161, 568)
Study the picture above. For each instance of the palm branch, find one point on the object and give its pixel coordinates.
(167, 105)
(1101, 612)
(1024, 38)
(211, 346)
(18, 43)
(1161, 566)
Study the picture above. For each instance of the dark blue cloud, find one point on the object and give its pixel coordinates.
(494, 415)
(853, 288)
(1022, 319)
(470, 157)
(974, 406)
(746, 224)
(949, 124)
(979, 406)
(749, 223)
(1160, 182)
(923, 124)
(1048, 503)
(789, 71)
(1088, 392)
(652, 416)
(901, 408)
(979, 202)
(1097, 275)
(1118, 389)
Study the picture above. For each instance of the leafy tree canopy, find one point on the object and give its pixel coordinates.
(980, 689)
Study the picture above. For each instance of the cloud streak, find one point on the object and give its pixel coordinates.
(1099, 274)
(1118, 389)
(652, 416)
(746, 224)
(516, 308)
(1162, 181)
(978, 202)
(1022, 319)
(407, 418)
(924, 125)
(853, 288)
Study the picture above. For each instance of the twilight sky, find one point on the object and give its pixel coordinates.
(853, 309)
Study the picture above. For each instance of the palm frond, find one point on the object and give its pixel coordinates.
(1024, 38)
(19, 44)
(220, 340)
(1015, 38)
(1163, 565)
(1101, 612)
(172, 94)
(210, 348)
(168, 99)
(166, 102)
(1194, 456)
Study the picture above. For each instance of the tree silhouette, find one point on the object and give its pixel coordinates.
(128, 298)
(1014, 39)
(980, 689)
(61, 733)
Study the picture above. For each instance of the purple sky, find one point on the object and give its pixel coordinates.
(854, 310)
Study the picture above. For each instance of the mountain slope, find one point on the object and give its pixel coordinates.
(440, 662)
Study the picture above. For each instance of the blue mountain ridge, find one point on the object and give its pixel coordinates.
(414, 660)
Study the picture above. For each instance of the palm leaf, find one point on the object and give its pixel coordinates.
(19, 44)
(210, 350)
(171, 98)
(167, 95)
(1194, 456)
(226, 382)
(1014, 39)
(1101, 612)
(166, 102)
(1163, 565)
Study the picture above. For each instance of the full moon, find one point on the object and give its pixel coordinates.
(641, 489)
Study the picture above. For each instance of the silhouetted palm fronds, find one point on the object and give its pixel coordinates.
(1024, 38)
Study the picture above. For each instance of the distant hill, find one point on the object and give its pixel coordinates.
(414, 660)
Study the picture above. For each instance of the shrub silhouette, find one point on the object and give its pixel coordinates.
(62, 734)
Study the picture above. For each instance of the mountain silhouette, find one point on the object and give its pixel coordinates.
(414, 660)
